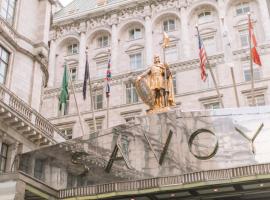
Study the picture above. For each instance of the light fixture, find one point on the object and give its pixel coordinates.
(261, 185)
(216, 190)
(172, 195)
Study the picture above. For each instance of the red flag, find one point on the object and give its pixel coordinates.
(255, 55)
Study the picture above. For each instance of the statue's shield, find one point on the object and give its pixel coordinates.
(144, 92)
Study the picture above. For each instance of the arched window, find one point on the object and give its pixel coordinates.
(169, 25)
(103, 41)
(242, 8)
(204, 17)
(135, 33)
(8, 10)
(73, 49)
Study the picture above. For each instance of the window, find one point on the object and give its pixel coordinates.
(102, 64)
(103, 41)
(3, 157)
(135, 33)
(136, 61)
(242, 8)
(131, 93)
(169, 25)
(259, 100)
(73, 73)
(4, 59)
(73, 49)
(38, 171)
(210, 45)
(99, 124)
(257, 73)
(171, 54)
(8, 10)
(98, 99)
(204, 17)
(244, 38)
(210, 106)
(67, 132)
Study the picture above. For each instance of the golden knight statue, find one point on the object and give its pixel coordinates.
(155, 87)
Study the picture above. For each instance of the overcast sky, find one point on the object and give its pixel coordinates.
(65, 2)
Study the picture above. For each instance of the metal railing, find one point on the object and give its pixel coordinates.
(203, 176)
(25, 111)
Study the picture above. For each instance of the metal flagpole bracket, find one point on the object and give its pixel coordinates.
(117, 148)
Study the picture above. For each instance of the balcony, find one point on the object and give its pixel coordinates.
(23, 119)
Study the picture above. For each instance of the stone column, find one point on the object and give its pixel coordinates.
(82, 55)
(265, 18)
(114, 43)
(148, 36)
(52, 63)
(20, 190)
(185, 34)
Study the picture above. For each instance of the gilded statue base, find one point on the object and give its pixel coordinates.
(158, 110)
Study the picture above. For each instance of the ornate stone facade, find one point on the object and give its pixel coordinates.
(223, 26)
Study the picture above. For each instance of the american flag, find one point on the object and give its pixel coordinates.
(203, 57)
(108, 79)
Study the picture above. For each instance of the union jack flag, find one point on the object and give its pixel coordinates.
(203, 57)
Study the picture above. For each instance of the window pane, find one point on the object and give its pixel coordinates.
(136, 61)
(7, 10)
(171, 54)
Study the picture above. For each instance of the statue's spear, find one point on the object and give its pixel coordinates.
(166, 41)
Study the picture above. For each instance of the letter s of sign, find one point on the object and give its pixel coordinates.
(190, 144)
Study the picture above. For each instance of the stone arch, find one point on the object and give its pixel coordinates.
(164, 15)
(200, 6)
(125, 25)
(230, 3)
(62, 40)
(93, 34)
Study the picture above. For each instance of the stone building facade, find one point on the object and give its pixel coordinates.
(24, 36)
(129, 33)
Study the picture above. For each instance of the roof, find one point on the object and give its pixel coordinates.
(79, 6)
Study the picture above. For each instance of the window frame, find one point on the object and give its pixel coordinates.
(249, 99)
(4, 157)
(98, 93)
(10, 20)
(71, 47)
(134, 65)
(257, 72)
(131, 91)
(135, 36)
(203, 18)
(5, 63)
(241, 7)
(167, 26)
(101, 42)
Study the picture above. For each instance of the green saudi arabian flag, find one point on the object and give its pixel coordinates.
(64, 90)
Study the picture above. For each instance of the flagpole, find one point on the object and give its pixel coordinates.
(235, 88)
(108, 96)
(91, 96)
(213, 76)
(76, 103)
(251, 65)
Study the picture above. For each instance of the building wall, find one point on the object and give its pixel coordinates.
(223, 28)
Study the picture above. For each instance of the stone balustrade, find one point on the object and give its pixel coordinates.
(158, 182)
(31, 116)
